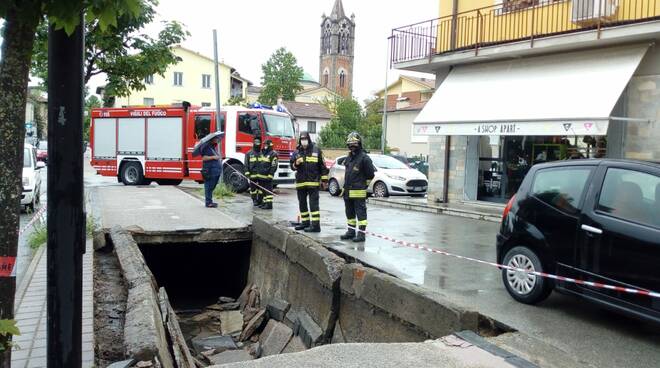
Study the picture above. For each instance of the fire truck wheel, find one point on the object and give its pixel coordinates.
(233, 179)
(131, 173)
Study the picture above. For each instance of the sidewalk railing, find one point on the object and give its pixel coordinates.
(514, 20)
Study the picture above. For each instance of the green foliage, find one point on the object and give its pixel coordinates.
(38, 237)
(90, 103)
(119, 49)
(91, 226)
(349, 117)
(237, 101)
(8, 328)
(221, 191)
(281, 77)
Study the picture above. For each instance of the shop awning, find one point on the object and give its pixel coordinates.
(562, 94)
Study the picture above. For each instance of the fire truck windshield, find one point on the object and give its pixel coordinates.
(279, 126)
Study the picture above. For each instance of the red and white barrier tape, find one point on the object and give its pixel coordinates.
(598, 285)
(34, 219)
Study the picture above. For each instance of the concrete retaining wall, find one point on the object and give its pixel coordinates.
(359, 303)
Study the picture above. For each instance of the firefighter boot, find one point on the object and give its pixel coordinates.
(314, 228)
(360, 237)
(302, 226)
(267, 206)
(350, 234)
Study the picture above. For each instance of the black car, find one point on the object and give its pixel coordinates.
(592, 220)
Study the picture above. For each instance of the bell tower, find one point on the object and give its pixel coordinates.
(337, 51)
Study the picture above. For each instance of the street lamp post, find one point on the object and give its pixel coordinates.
(383, 139)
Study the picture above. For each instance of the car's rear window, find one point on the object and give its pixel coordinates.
(561, 188)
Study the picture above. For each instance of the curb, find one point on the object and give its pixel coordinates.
(438, 210)
(481, 343)
(27, 278)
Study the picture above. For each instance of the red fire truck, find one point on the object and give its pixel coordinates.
(138, 145)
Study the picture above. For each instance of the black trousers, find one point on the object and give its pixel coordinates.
(356, 212)
(267, 184)
(311, 213)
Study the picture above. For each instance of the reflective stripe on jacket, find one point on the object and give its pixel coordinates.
(359, 172)
(311, 169)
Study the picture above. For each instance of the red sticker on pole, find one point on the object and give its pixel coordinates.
(7, 266)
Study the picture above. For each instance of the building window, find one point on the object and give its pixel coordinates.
(326, 77)
(178, 79)
(342, 79)
(148, 101)
(206, 104)
(311, 127)
(327, 39)
(343, 39)
(149, 79)
(206, 81)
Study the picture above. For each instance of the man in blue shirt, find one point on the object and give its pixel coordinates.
(211, 170)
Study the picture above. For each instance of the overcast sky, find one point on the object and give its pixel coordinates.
(251, 30)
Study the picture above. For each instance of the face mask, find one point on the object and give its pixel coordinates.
(353, 148)
(304, 142)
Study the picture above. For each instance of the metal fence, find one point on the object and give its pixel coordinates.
(515, 20)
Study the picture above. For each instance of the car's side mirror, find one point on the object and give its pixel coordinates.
(40, 165)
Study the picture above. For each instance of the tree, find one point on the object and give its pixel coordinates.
(125, 55)
(237, 101)
(90, 103)
(349, 117)
(281, 77)
(21, 20)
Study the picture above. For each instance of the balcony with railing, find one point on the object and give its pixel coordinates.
(512, 21)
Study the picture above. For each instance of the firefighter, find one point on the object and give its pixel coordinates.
(359, 173)
(265, 170)
(251, 163)
(311, 174)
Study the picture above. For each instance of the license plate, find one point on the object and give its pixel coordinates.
(417, 189)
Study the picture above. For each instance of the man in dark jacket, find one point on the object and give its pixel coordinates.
(211, 170)
(266, 168)
(311, 173)
(359, 173)
(251, 163)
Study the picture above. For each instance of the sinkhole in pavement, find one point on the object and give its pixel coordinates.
(195, 275)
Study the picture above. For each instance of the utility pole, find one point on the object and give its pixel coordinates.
(217, 80)
(66, 216)
(383, 139)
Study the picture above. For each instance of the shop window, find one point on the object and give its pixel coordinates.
(561, 188)
(632, 196)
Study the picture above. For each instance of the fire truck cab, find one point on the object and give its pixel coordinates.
(139, 145)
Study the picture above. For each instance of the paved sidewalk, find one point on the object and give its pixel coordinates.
(31, 314)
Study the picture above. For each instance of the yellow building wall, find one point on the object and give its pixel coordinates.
(192, 65)
(481, 22)
(402, 86)
(316, 96)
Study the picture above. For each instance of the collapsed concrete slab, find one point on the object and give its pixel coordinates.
(376, 307)
(307, 274)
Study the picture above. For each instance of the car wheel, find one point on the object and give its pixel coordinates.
(380, 190)
(30, 207)
(131, 173)
(233, 179)
(333, 187)
(525, 287)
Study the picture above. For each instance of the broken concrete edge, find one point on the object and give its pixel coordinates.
(144, 330)
(480, 342)
(182, 355)
(428, 311)
(300, 249)
(134, 267)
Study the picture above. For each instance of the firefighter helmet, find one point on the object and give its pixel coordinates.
(354, 138)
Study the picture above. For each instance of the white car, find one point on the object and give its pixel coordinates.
(393, 177)
(31, 178)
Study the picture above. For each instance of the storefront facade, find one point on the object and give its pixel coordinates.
(489, 123)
